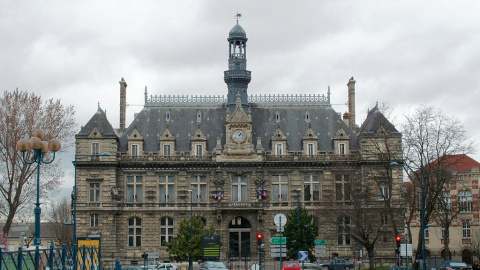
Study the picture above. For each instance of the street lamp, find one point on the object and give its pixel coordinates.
(298, 190)
(191, 227)
(422, 213)
(40, 148)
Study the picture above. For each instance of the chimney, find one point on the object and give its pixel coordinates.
(123, 103)
(351, 104)
(346, 118)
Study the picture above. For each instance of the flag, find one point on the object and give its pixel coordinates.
(264, 194)
(218, 195)
(135, 197)
(199, 196)
(259, 194)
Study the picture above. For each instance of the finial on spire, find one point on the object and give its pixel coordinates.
(98, 105)
(238, 16)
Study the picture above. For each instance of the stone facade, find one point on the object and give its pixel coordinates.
(226, 151)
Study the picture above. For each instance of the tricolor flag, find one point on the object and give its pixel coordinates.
(218, 195)
(167, 197)
(264, 194)
(135, 197)
(259, 194)
(280, 196)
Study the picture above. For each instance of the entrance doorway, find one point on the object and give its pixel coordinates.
(239, 238)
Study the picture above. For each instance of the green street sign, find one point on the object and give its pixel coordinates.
(320, 241)
(278, 240)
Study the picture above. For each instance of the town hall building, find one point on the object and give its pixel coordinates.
(237, 161)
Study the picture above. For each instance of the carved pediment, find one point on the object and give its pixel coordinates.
(198, 135)
(167, 136)
(278, 135)
(95, 133)
(341, 135)
(135, 135)
(310, 135)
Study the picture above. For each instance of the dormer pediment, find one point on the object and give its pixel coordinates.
(135, 136)
(167, 136)
(341, 135)
(239, 115)
(198, 135)
(95, 134)
(310, 135)
(279, 136)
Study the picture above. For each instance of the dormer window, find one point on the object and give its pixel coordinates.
(277, 117)
(341, 148)
(199, 116)
(307, 117)
(167, 115)
(279, 149)
(134, 150)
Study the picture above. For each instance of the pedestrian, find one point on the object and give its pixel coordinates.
(476, 266)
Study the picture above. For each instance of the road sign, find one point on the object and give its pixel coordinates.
(320, 251)
(320, 246)
(278, 240)
(280, 220)
(403, 250)
(19, 229)
(319, 241)
(153, 255)
(280, 229)
(277, 255)
(278, 246)
(303, 255)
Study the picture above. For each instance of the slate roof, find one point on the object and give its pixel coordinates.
(99, 120)
(151, 123)
(375, 119)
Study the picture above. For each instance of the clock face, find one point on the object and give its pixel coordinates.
(238, 136)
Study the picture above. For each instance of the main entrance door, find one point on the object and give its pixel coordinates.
(239, 238)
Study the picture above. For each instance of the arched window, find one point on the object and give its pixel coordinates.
(307, 117)
(134, 232)
(277, 116)
(199, 116)
(166, 230)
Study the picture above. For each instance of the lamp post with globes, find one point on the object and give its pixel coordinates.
(422, 210)
(191, 228)
(298, 190)
(40, 148)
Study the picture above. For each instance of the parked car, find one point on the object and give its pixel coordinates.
(212, 265)
(338, 264)
(312, 266)
(453, 265)
(291, 265)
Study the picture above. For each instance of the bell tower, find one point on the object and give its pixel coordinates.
(237, 77)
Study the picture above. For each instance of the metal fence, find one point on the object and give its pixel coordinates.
(62, 258)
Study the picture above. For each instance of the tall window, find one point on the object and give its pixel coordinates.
(280, 188)
(341, 148)
(93, 220)
(239, 188)
(344, 231)
(466, 233)
(95, 148)
(166, 230)
(311, 188)
(199, 188)
(310, 149)
(94, 192)
(198, 149)
(444, 201)
(426, 232)
(166, 185)
(384, 219)
(134, 150)
(166, 149)
(342, 187)
(443, 231)
(279, 149)
(134, 232)
(465, 201)
(134, 188)
(383, 191)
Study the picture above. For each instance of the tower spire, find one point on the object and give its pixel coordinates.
(237, 77)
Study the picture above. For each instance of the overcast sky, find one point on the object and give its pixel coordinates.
(404, 53)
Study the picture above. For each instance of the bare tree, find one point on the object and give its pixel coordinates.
(20, 114)
(60, 216)
(429, 138)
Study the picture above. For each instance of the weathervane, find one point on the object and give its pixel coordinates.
(238, 16)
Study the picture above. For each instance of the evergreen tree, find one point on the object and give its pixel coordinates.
(182, 246)
(300, 232)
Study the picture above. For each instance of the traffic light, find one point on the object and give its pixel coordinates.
(145, 256)
(357, 259)
(259, 239)
(398, 239)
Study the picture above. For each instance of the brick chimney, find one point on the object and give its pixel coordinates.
(351, 104)
(123, 103)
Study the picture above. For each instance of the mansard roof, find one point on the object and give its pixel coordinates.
(182, 122)
(375, 123)
(99, 122)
